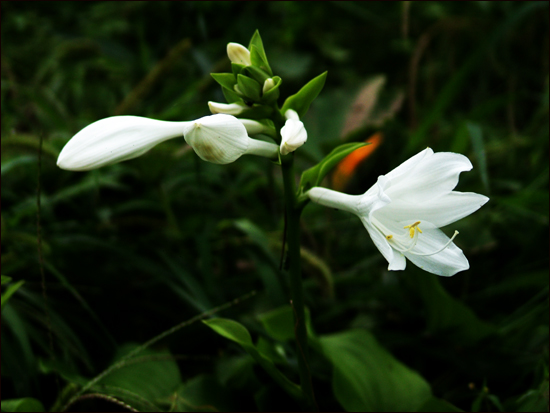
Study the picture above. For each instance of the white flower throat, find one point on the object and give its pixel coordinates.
(402, 243)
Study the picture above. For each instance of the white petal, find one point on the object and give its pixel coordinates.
(293, 136)
(115, 139)
(440, 211)
(395, 259)
(237, 53)
(433, 176)
(217, 138)
(445, 263)
(409, 164)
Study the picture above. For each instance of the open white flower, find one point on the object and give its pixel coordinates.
(293, 134)
(404, 210)
(115, 139)
(223, 139)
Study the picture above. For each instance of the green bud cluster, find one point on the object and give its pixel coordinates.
(252, 82)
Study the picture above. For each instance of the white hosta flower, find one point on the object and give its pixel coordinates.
(293, 134)
(227, 108)
(115, 139)
(237, 53)
(223, 139)
(404, 210)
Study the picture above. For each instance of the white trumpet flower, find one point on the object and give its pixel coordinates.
(237, 53)
(404, 210)
(293, 134)
(115, 139)
(223, 139)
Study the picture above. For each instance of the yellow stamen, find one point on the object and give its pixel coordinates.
(389, 237)
(412, 227)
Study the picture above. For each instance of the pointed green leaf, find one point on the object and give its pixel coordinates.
(257, 53)
(9, 292)
(227, 80)
(314, 175)
(249, 87)
(231, 96)
(237, 69)
(256, 73)
(230, 329)
(300, 101)
(5, 279)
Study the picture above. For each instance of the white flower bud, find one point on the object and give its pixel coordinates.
(115, 139)
(268, 85)
(293, 134)
(229, 109)
(291, 114)
(223, 139)
(237, 53)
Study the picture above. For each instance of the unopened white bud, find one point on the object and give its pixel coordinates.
(293, 135)
(227, 108)
(268, 85)
(292, 114)
(223, 139)
(237, 53)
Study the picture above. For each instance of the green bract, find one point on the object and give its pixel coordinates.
(300, 101)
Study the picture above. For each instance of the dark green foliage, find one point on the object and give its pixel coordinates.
(133, 249)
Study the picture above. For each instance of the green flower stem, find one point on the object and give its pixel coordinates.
(296, 290)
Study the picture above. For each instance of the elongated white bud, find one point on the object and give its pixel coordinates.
(227, 108)
(115, 139)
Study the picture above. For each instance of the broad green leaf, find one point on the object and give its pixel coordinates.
(27, 404)
(5, 279)
(367, 378)
(153, 376)
(314, 175)
(10, 290)
(227, 80)
(249, 87)
(230, 329)
(300, 101)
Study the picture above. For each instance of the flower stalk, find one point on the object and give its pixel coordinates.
(293, 213)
